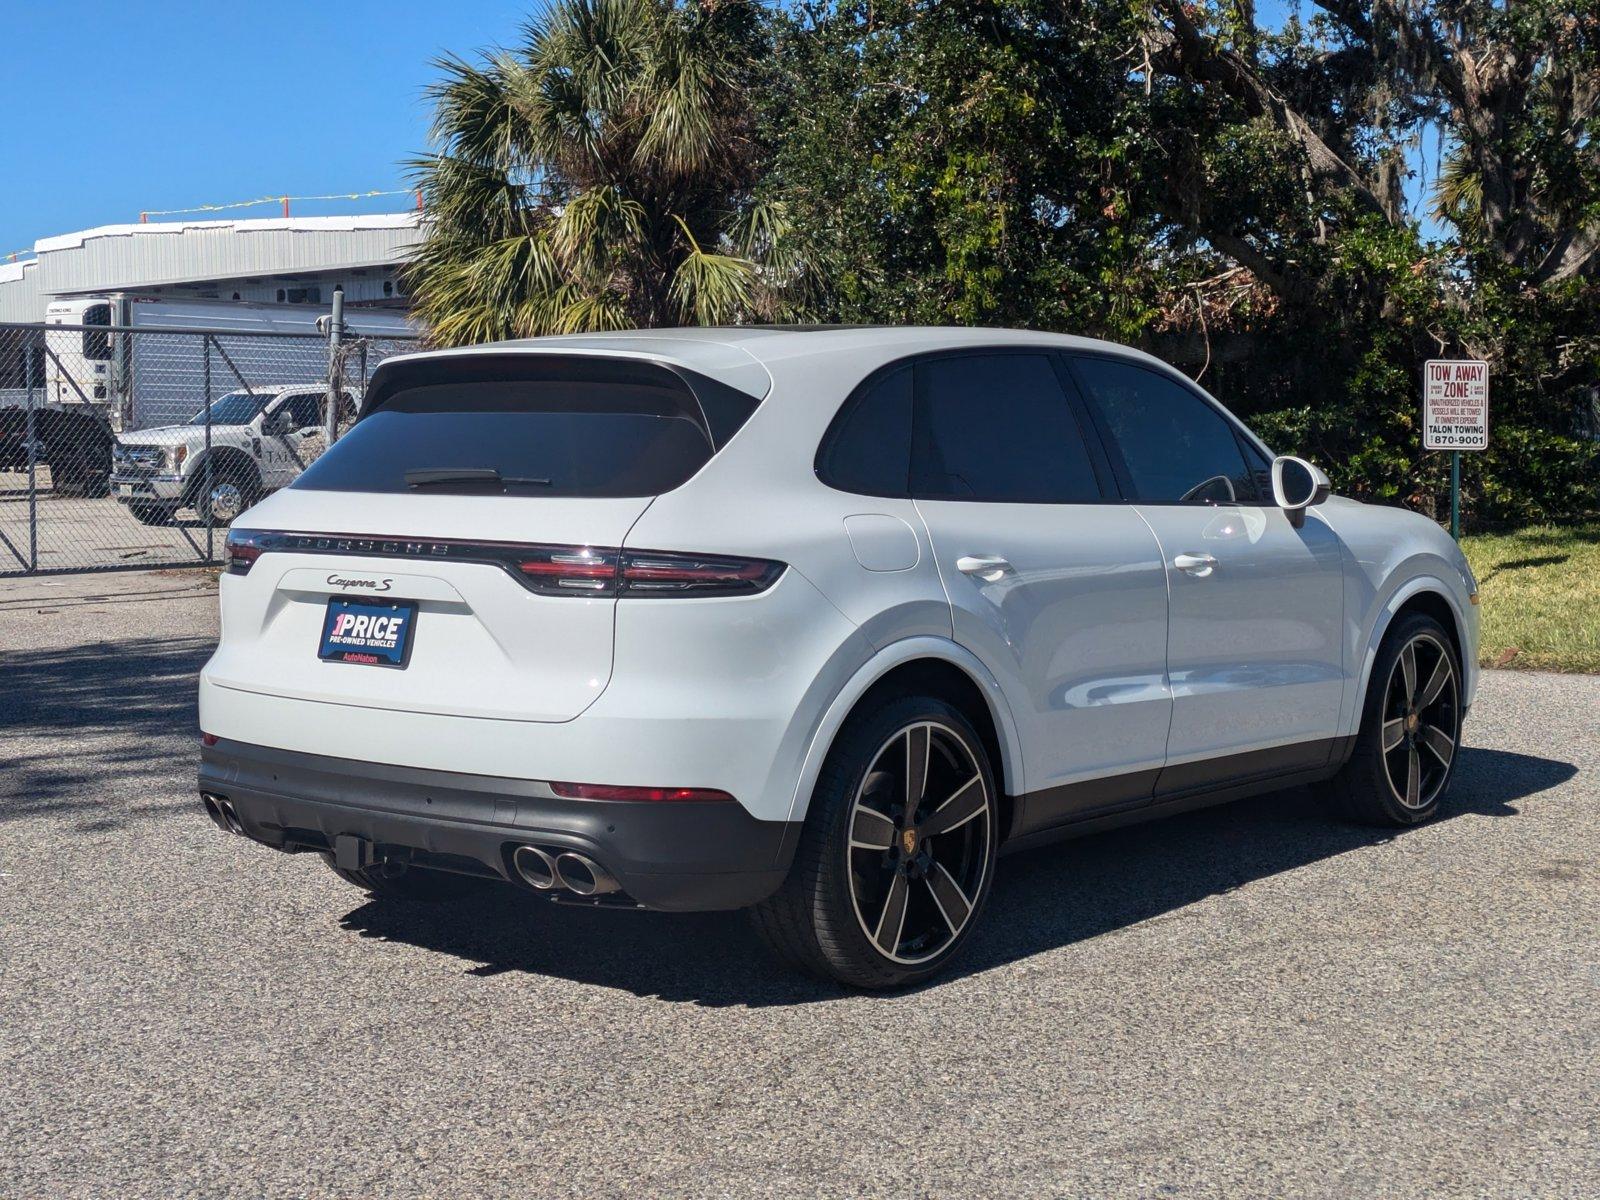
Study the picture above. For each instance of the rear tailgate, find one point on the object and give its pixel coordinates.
(483, 644)
(493, 491)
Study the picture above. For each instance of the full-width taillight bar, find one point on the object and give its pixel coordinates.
(548, 570)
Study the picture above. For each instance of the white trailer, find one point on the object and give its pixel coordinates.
(141, 379)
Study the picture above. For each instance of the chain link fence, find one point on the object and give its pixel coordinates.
(136, 447)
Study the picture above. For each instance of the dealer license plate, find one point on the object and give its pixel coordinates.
(375, 633)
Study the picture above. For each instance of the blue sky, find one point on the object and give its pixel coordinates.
(192, 103)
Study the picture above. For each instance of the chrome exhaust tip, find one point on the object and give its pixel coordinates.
(230, 818)
(535, 868)
(214, 811)
(583, 876)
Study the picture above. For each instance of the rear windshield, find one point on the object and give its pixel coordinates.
(597, 437)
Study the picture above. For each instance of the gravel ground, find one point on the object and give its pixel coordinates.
(1247, 1001)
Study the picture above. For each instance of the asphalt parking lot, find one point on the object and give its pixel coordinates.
(1248, 1001)
(77, 533)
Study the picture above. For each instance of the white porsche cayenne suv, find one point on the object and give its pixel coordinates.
(815, 622)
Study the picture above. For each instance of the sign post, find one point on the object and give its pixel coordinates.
(1455, 417)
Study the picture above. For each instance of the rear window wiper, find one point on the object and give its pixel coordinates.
(421, 477)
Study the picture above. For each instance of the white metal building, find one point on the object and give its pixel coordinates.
(283, 260)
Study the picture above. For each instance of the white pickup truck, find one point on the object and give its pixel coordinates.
(261, 439)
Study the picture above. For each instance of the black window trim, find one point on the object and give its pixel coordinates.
(1243, 438)
(1099, 462)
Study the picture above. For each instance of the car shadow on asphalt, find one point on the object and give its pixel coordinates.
(127, 711)
(1043, 899)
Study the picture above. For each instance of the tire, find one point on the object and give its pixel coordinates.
(855, 871)
(1405, 753)
(78, 449)
(152, 514)
(68, 480)
(413, 883)
(64, 485)
(235, 486)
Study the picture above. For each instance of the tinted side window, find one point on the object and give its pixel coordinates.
(1260, 468)
(1173, 446)
(998, 427)
(305, 411)
(868, 448)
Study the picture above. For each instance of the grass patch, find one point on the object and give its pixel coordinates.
(1541, 596)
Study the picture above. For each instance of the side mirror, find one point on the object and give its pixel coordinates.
(278, 423)
(1296, 486)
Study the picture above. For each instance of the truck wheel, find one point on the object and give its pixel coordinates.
(67, 479)
(152, 514)
(234, 488)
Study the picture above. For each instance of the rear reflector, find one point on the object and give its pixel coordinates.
(549, 570)
(603, 791)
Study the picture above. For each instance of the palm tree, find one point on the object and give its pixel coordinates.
(601, 177)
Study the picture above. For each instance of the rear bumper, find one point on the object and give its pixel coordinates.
(672, 856)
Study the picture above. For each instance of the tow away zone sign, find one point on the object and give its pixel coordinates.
(1455, 404)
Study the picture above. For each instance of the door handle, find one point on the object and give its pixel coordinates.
(1198, 565)
(987, 567)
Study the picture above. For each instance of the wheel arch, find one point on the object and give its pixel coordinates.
(223, 458)
(924, 666)
(1425, 594)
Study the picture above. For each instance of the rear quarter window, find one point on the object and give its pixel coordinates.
(867, 450)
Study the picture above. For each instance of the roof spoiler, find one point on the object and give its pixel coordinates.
(672, 390)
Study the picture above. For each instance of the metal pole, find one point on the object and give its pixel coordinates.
(205, 383)
(335, 335)
(33, 481)
(1455, 494)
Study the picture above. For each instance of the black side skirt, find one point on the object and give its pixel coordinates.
(1095, 804)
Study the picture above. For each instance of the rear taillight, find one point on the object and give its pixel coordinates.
(549, 570)
(574, 570)
(606, 791)
(241, 550)
(558, 570)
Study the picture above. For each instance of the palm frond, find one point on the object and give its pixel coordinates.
(568, 174)
(597, 228)
(789, 274)
(712, 289)
(677, 88)
(1458, 194)
(475, 116)
(596, 312)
